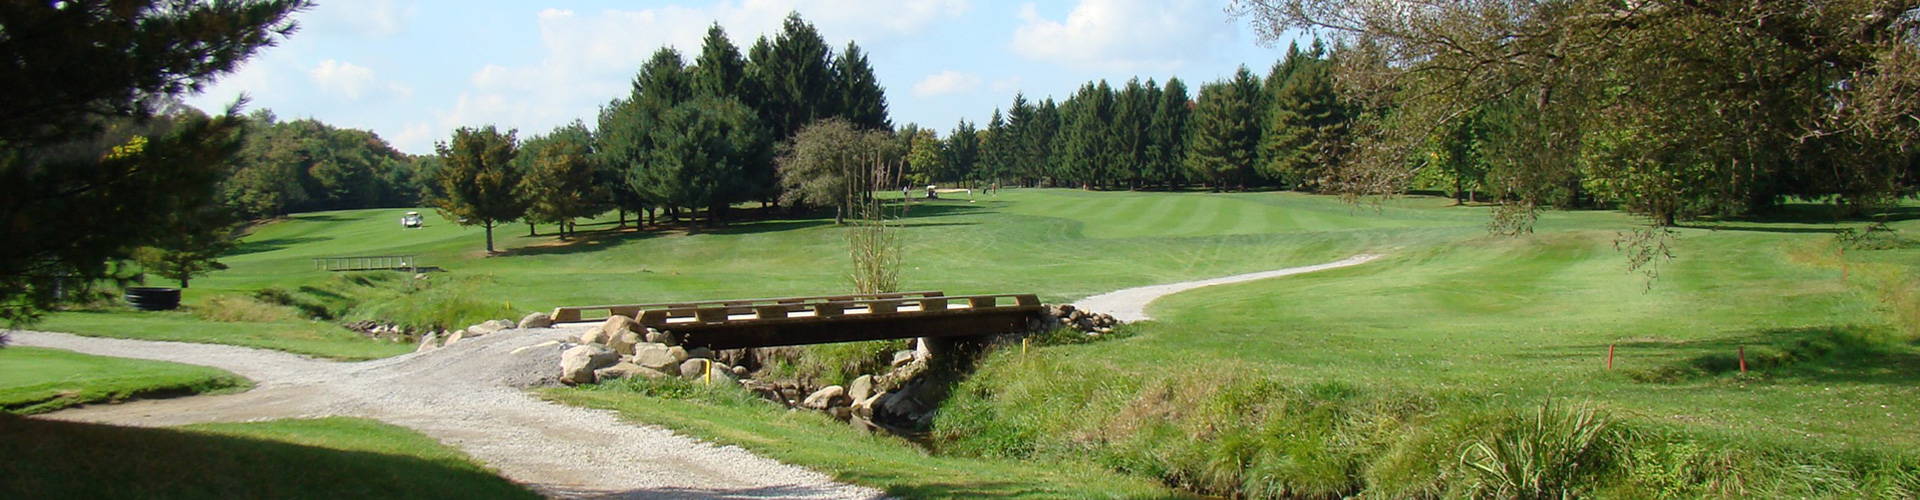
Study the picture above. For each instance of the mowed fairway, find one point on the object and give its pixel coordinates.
(1450, 310)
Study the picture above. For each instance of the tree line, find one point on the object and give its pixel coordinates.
(691, 139)
(1283, 131)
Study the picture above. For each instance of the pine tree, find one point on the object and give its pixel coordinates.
(1044, 139)
(1132, 116)
(1225, 132)
(720, 71)
(1091, 150)
(796, 72)
(477, 180)
(1168, 135)
(862, 102)
(963, 153)
(698, 156)
(1306, 125)
(996, 151)
(83, 80)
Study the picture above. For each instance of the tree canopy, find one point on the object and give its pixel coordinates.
(93, 159)
(478, 185)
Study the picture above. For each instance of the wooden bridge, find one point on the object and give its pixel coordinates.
(732, 324)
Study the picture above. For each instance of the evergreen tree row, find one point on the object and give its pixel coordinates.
(1287, 130)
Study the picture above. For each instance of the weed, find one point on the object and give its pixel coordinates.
(1553, 453)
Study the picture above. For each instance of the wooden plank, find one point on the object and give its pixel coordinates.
(855, 327)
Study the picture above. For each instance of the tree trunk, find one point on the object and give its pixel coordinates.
(489, 237)
(623, 218)
(531, 230)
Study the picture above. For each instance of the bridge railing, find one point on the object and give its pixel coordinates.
(833, 307)
(366, 263)
(731, 307)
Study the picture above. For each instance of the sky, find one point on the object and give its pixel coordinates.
(414, 70)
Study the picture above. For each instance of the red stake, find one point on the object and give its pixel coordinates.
(1609, 357)
(1743, 360)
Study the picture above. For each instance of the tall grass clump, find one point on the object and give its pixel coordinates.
(1553, 453)
(874, 240)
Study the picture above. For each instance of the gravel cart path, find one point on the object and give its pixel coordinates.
(470, 396)
(1131, 304)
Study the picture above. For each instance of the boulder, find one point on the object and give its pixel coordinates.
(659, 357)
(625, 370)
(864, 407)
(739, 371)
(705, 369)
(479, 329)
(536, 320)
(923, 350)
(622, 342)
(660, 337)
(901, 358)
(861, 388)
(578, 363)
(617, 323)
(429, 342)
(825, 398)
(594, 336)
(455, 338)
(842, 413)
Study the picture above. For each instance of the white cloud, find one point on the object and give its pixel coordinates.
(1125, 35)
(946, 82)
(590, 58)
(1005, 85)
(341, 79)
(417, 136)
(369, 18)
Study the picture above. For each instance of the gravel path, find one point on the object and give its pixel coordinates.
(1131, 304)
(470, 396)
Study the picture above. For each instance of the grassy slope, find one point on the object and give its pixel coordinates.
(1452, 311)
(900, 468)
(321, 458)
(35, 380)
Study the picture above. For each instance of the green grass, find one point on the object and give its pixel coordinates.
(732, 416)
(1454, 327)
(319, 458)
(313, 338)
(35, 380)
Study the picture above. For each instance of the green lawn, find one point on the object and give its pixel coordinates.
(321, 458)
(35, 380)
(1451, 314)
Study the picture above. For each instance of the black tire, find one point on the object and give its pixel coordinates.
(153, 298)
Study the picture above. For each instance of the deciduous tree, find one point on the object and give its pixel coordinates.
(478, 184)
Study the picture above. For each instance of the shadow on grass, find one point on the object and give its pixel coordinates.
(583, 242)
(922, 209)
(1808, 213)
(268, 245)
(1838, 353)
(49, 459)
(321, 218)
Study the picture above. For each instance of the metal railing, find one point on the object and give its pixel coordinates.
(369, 263)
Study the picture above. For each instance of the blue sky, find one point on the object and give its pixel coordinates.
(413, 70)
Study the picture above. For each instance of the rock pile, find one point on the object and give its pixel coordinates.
(380, 331)
(1067, 316)
(436, 340)
(621, 348)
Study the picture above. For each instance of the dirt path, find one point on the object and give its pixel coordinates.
(470, 396)
(1131, 304)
